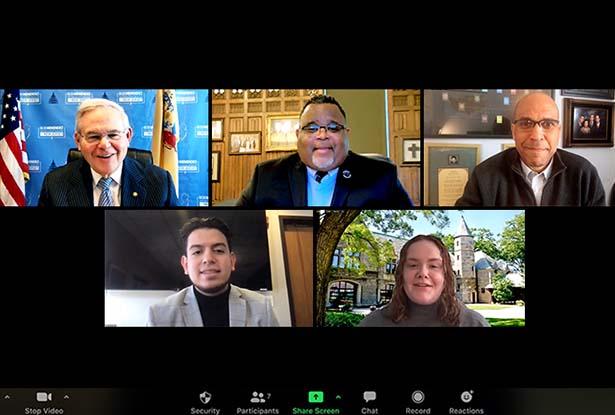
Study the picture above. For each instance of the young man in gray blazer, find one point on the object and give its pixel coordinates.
(211, 301)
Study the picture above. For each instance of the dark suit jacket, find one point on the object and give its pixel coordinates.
(361, 182)
(142, 186)
(598, 131)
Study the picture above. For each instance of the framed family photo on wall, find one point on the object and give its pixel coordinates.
(245, 143)
(587, 123)
(281, 133)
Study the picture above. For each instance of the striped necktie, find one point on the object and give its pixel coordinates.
(106, 199)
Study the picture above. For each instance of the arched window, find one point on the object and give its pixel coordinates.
(342, 293)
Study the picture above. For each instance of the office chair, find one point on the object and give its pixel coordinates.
(144, 156)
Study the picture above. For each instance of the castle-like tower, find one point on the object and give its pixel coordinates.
(463, 264)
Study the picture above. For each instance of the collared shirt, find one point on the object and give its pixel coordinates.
(320, 194)
(115, 186)
(537, 181)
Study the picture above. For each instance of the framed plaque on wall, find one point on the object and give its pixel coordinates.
(215, 166)
(217, 129)
(447, 169)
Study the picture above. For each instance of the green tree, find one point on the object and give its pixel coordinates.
(512, 242)
(358, 239)
(331, 226)
(502, 288)
(333, 223)
(486, 242)
(448, 240)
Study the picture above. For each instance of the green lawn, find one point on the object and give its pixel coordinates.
(506, 322)
(347, 319)
(488, 306)
(342, 319)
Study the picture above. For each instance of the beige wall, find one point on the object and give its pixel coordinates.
(281, 304)
(365, 111)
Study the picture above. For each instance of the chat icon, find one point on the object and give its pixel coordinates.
(369, 396)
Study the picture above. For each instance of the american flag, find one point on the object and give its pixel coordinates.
(14, 171)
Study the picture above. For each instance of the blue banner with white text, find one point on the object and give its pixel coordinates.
(49, 124)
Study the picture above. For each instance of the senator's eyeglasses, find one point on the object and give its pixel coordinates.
(96, 137)
(546, 124)
(332, 127)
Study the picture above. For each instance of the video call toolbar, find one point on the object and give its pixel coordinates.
(313, 400)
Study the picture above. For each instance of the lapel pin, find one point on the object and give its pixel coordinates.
(346, 174)
(135, 194)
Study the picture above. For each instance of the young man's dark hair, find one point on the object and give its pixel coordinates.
(207, 223)
(211, 300)
(323, 99)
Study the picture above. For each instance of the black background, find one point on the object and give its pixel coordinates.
(143, 248)
(52, 309)
(52, 278)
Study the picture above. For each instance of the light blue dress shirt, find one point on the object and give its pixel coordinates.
(320, 194)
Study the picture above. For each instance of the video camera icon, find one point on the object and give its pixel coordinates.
(205, 397)
(43, 397)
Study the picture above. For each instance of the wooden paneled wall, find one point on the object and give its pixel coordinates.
(247, 110)
(405, 122)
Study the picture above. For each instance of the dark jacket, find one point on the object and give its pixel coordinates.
(499, 181)
(142, 186)
(361, 182)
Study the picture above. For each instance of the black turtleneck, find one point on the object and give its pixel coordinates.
(214, 309)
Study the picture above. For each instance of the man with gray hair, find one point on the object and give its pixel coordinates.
(104, 176)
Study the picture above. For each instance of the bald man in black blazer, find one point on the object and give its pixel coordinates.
(324, 172)
(361, 182)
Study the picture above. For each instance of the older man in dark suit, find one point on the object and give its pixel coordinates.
(324, 172)
(105, 177)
